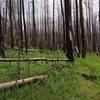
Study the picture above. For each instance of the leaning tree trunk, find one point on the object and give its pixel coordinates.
(68, 29)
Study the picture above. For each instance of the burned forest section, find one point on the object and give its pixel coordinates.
(70, 26)
(49, 47)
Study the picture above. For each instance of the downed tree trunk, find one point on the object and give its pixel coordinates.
(21, 82)
(29, 59)
(21, 59)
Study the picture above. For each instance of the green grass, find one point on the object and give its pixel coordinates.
(46, 53)
(61, 84)
(89, 65)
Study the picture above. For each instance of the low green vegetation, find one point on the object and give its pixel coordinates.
(65, 83)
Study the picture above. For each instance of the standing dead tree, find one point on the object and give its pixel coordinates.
(34, 26)
(77, 28)
(20, 25)
(1, 37)
(99, 25)
(53, 29)
(25, 31)
(64, 35)
(82, 30)
(11, 24)
(68, 44)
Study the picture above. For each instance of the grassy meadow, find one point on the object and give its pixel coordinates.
(77, 81)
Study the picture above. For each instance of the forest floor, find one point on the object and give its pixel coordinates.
(78, 81)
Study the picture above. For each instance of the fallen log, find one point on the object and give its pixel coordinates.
(21, 59)
(29, 59)
(21, 82)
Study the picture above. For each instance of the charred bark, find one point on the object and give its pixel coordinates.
(69, 48)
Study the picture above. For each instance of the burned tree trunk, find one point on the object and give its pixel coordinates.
(53, 29)
(64, 36)
(99, 26)
(2, 53)
(34, 26)
(82, 30)
(25, 32)
(11, 24)
(77, 29)
(69, 48)
(20, 25)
